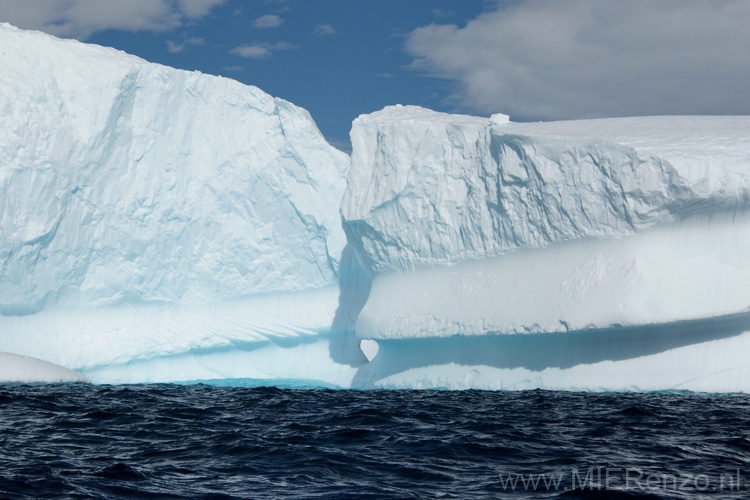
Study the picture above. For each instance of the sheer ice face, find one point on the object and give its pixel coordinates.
(149, 213)
(429, 188)
(622, 245)
(125, 181)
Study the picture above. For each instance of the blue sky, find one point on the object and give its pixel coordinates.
(336, 58)
(531, 59)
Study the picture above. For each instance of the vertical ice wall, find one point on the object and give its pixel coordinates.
(125, 181)
(589, 255)
(148, 213)
(430, 188)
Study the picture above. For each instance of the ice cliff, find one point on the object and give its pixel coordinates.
(629, 221)
(160, 225)
(429, 188)
(126, 181)
(592, 254)
(148, 212)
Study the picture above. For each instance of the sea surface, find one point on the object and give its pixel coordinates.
(208, 442)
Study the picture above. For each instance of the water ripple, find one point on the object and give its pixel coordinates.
(201, 442)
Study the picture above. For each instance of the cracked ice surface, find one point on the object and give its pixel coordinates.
(429, 188)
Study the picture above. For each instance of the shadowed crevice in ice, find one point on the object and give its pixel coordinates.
(355, 283)
(537, 352)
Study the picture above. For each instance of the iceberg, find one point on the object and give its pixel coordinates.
(159, 225)
(125, 181)
(149, 213)
(428, 188)
(606, 254)
(478, 226)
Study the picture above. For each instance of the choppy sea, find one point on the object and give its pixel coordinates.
(208, 442)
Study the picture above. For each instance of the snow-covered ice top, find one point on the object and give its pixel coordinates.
(499, 119)
(427, 188)
(123, 180)
(712, 153)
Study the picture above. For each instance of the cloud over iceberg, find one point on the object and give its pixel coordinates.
(542, 59)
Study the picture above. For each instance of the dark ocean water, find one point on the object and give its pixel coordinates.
(202, 442)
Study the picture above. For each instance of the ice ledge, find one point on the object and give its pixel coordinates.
(695, 269)
(698, 356)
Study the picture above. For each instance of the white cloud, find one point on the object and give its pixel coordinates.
(268, 21)
(81, 18)
(442, 13)
(198, 8)
(252, 51)
(261, 50)
(546, 59)
(324, 29)
(283, 46)
(175, 47)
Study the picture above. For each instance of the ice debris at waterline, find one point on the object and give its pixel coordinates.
(15, 369)
(158, 225)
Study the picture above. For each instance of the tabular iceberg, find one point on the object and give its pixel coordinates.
(159, 225)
